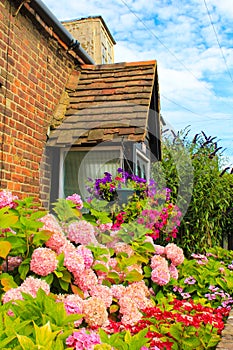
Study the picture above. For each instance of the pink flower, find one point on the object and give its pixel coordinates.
(83, 340)
(86, 255)
(105, 227)
(50, 224)
(31, 286)
(173, 271)
(56, 241)
(160, 276)
(174, 253)
(160, 250)
(74, 305)
(102, 292)
(118, 290)
(7, 199)
(159, 261)
(44, 261)
(73, 261)
(11, 295)
(95, 313)
(86, 280)
(82, 232)
(129, 310)
(12, 263)
(76, 199)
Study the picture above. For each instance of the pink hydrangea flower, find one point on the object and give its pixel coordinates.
(7, 199)
(121, 247)
(56, 241)
(95, 313)
(82, 232)
(76, 199)
(86, 280)
(86, 255)
(118, 290)
(12, 295)
(102, 292)
(44, 261)
(74, 305)
(83, 340)
(50, 224)
(129, 310)
(159, 261)
(31, 286)
(73, 261)
(12, 263)
(174, 253)
(160, 276)
(160, 250)
(173, 271)
(140, 294)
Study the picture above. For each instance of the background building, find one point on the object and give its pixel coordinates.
(94, 37)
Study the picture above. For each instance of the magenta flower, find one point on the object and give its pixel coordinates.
(76, 199)
(190, 280)
(83, 340)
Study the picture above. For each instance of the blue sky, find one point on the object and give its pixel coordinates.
(192, 42)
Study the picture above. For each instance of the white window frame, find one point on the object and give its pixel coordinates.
(138, 154)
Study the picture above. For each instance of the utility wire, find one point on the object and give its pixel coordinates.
(187, 109)
(167, 48)
(220, 48)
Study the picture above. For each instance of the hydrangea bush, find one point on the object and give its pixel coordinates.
(109, 277)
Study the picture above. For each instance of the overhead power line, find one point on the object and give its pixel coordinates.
(216, 35)
(166, 47)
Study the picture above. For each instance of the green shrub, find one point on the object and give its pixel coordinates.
(192, 170)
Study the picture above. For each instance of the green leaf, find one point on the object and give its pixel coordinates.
(100, 267)
(24, 268)
(133, 276)
(114, 276)
(191, 342)
(7, 218)
(66, 276)
(44, 335)
(49, 278)
(58, 273)
(25, 342)
(64, 285)
(19, 245)
(5, 248)
(7, 282)
(7, 341)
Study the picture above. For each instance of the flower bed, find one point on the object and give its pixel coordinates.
(109, 276)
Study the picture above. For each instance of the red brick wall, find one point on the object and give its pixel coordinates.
(34, 69)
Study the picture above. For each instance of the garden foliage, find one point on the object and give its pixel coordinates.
(107, 274)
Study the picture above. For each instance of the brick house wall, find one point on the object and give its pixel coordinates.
(34, 68)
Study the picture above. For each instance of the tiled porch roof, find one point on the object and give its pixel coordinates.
(106, 102)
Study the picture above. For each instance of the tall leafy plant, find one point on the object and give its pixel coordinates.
(208, 218)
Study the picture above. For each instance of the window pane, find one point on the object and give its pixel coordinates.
(80, 165)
